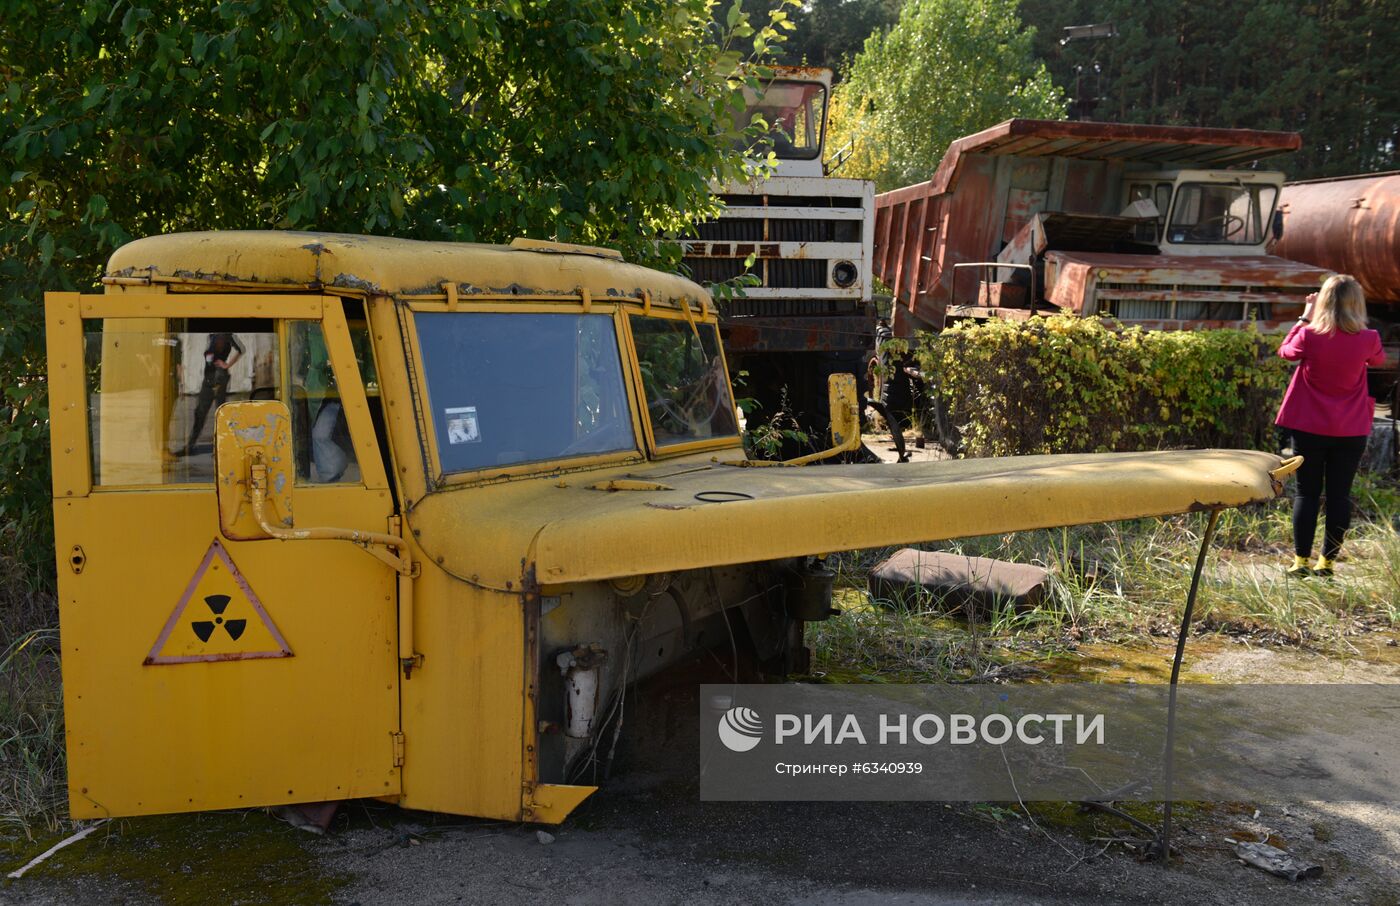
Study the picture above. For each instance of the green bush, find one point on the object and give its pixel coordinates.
(1065, 384)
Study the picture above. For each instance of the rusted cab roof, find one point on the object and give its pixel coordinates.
(378, 265)
(1168, 146)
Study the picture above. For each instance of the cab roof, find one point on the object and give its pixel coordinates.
(379, 265)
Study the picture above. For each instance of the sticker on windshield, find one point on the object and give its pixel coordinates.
(462, 427)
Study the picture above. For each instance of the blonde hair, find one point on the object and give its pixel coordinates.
(1340, 305)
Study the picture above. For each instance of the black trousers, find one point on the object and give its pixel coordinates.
(212, 394)
(1329, 463)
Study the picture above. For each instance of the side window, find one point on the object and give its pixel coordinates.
(320, 435)
(1162, 195)
(154, 383)
(1142, 191)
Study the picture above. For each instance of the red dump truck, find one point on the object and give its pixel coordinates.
(1154, 225)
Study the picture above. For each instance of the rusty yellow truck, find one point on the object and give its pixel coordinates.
(344, 516)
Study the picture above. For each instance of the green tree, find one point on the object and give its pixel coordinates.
(595, 121)
(947, 68)
(1325, 68)
(831, 32)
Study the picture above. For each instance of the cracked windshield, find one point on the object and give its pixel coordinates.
(688, 396)
(495, 381)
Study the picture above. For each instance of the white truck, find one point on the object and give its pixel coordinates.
(810, 237)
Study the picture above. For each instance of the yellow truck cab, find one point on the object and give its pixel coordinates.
(344, 516)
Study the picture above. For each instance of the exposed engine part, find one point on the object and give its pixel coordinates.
(581, 668)
(652, 585)
(809, 592)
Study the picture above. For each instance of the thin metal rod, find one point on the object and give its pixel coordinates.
(1165, 843)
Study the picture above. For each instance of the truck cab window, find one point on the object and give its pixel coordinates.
(506, 389)
(687, 391)
(794, 113)
(320, 435)
(1221, 213)
(153, 386)
(1160, 194)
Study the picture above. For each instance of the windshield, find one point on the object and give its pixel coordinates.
(687, 390)
(1221, 214)
(505, 389)
(794, 112)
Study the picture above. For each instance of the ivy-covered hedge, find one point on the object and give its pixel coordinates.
(1064, 384)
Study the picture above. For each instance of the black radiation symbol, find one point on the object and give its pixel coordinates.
(205, 628)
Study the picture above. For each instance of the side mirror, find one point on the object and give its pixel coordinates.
(845, 411)
(845, 420)
(253, 434)
(1277, 226)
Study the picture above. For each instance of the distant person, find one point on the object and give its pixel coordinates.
(875, 370)
(1328, 411)
(220, 352)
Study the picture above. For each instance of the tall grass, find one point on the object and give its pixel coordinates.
(31, 699)
(1129, 579)
(31, 734)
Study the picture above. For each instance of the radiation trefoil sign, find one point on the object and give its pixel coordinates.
(218, 618)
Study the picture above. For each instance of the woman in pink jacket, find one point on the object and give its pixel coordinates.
(1328, 410)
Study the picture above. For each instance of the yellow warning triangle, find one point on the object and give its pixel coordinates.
(218, 618)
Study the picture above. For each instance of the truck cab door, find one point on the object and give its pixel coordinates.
(201, 672)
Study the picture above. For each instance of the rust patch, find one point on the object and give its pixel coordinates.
(816, 73)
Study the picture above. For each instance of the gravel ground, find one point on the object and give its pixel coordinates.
(646, 839)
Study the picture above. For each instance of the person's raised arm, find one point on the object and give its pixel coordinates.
(1292, 346)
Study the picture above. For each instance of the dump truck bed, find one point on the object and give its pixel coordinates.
(989, 186)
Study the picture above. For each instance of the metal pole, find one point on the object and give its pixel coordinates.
(1164, 844)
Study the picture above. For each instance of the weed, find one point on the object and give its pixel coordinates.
(1123, 579)
(31, 706)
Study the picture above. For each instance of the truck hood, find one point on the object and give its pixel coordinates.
(1233, 273)
(696, 512)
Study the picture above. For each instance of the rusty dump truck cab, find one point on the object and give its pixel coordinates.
(345, 516)
(1153, 225)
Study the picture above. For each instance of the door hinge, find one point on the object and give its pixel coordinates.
(398, 748)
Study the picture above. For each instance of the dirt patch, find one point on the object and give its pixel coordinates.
(1242, 664)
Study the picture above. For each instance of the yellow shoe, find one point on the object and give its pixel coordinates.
(1299, 569)
(1323, 567)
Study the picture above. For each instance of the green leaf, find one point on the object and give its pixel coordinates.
(94, 96)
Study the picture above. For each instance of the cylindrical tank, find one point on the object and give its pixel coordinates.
(1350, 225)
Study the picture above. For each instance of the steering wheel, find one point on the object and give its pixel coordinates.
(1230, 224)
(683, 412)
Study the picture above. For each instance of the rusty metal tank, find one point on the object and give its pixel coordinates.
(1351, 225)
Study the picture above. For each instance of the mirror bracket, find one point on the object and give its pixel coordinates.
(845, 420)
(253, 465)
